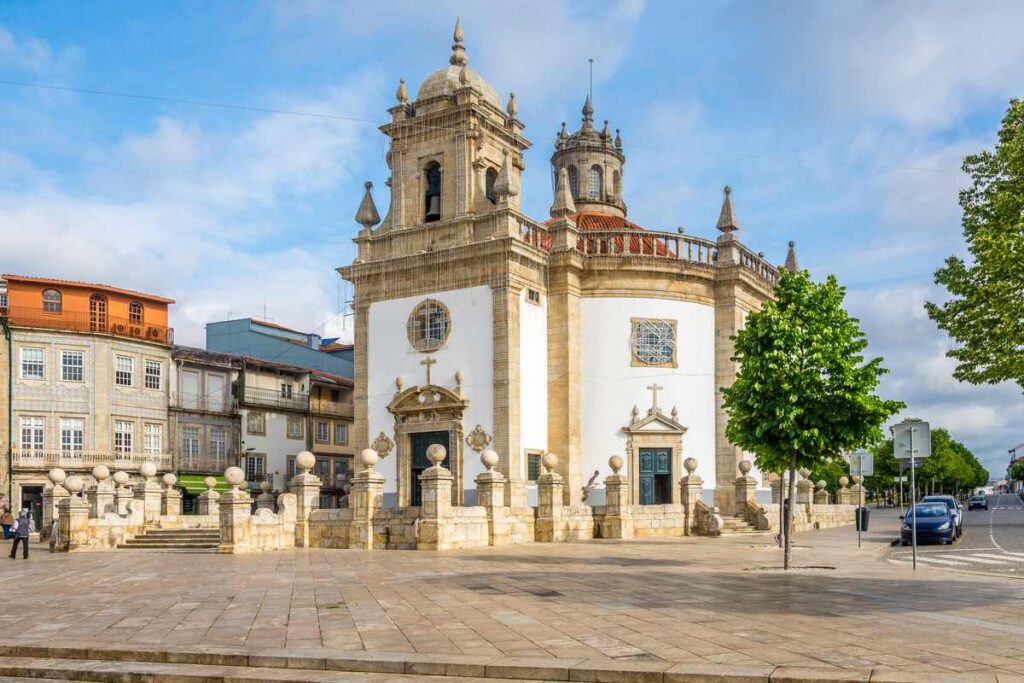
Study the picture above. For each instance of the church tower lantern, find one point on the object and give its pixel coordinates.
(593, 160)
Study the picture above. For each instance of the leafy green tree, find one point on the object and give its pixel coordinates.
(1016, 472)
(985, 314)
(803, 392)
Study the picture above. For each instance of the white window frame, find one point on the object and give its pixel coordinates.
(72, 434)
(323, 431)
(124, 436)
(190, 443)
(152, 438)
(33, 433)
(33, 363)
(219, 445)
(154, 374)
(341, 427)
(72, 372)
(286, 390)
(294, 427)
(255, 467)
(124, 371)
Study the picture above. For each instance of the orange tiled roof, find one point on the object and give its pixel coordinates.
(92, 285)
(344, 381)
(327, 348)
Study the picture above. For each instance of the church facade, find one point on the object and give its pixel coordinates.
(583, 334)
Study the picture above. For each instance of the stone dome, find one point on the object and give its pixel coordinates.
(444, 82)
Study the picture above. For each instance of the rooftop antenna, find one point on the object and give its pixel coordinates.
(591, 60)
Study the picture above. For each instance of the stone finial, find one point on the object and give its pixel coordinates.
(169, 480)
(727, 218)
(148, 470)
(436, 453)
(512, 108)
(820, 485)
(463, 77)
(792, 264)
(235, 477)
(606, 133)
(458, 57)
(399, 384)
(844, 481)
(366, 214)
(101, 473)
(402, 94)
(618, 139)
(564, 133)
(690, 464)
(211, 483)
(489, 459)
(615, 462)
(265, 486)
(504, 184)
(804, 472)
(121, 477)
(369, 457)
(550, 461)
(563, 204)
(74, 483)
(744, 467)
(304, 461)
(857, 479)
(57, 476)
(458, 379)
(588, 113)
(675, 413)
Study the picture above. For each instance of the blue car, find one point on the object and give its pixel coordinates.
(935, 524)
(954, 507)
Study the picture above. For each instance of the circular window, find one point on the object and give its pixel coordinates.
(428, 325)
(654, 342)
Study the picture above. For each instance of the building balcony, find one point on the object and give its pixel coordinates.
(331, 408)
(84, 322)
(222, 405)
(83, 461)
(274, 398)
(202, 465)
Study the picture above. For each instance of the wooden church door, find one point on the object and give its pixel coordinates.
(418, 445)
(655, 476)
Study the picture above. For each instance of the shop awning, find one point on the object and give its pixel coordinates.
(196, 483)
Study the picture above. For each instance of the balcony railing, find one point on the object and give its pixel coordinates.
(85, 322)
(273, 398)
(202, 403)
(332, 408)
(202, 464)
(86, 460)
(657, 244)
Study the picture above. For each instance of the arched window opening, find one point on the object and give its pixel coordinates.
(135, 313)
(432, 195)
(52, 301)
(617, 185)
(594, 182)
(574, 182)
(489, 179)
(98, 313)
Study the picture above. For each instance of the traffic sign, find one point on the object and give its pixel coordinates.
(900, 480)
(861, 463)
(917, 433)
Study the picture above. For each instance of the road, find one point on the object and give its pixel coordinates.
(992, 542)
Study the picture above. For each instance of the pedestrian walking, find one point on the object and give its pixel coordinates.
(21, 530)
(7, 521)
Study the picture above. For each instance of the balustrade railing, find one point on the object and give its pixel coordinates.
(657, 244)
(202, 464)
(275, 398)
(758, 265)
(333, 408)
(202, 403)
(85, 322)
(84, 460)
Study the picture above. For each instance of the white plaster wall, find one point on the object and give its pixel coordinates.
(275, 443)
(470, 348)
(533, 376)
(611, 386)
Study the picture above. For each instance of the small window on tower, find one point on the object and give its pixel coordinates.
(574, 182)
(489, 180)
(594, 182)
(432, 194)
(533, 296)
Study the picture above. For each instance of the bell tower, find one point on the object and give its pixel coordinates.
(456, 151)
(593, 162)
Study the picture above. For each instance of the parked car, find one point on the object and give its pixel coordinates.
(954, 507)
(935, 523)
(978, 502)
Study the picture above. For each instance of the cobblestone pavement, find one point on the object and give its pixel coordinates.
(675, 600)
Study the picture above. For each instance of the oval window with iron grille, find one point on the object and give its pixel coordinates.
(429, 325)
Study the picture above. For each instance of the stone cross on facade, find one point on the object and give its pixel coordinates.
(654, 389)
(427, 363)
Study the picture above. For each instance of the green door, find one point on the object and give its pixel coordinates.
(419, 443)
(655, 476)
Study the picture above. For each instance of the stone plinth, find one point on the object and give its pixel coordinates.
(364, 501)
(265, 501)
(122, 494)
(436, 487)
(148, 491)
(821, 497)
(549, 507)
(101, 499)
(306, 488)
(617, 522)
(209, 502)
(53, 494)
(73, 529)
(234, 507)
(170, 502)
(746, 492)
(691, 488)
(804, 492)
(490, 494)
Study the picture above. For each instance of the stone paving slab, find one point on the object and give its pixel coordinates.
(646, 607)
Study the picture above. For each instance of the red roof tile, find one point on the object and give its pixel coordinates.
(91, 285)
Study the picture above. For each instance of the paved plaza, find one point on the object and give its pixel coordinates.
(637, 604)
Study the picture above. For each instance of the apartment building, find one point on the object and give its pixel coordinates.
(330, 418)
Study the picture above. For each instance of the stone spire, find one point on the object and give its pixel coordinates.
(606, 133)
(512, 108)
(618, 139)
(402, 95)
(366, 214)
(504, 184)
(458, 57)
(588, 113)
(792, 264)
(564, 133)
(727, 219)
(563, 204)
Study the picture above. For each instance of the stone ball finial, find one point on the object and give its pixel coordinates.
(305, 461)
(148, 470)
(58, 476)
(804, 472)
(615, 462)
(744, 467)
(369, 457)
(211, 483)
(820, 485)
(169, 479)
(691, 465)
(100, 473)
(265, 486)
(857, 479)
(234, 476)
(436, 453)
(74, 483)
(550, 461)
(844, 481)
(489, 459)
(121, 477)
(458, 376)
(399, 384)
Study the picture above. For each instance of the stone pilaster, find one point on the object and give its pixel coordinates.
(306, 488)
(729, 319)
(506, 411)
(691, 488)
(490, 493)
(151, 495)
(436, 485)
(53, 494)
(73, 529)
(805, 494)
(745, 488)
(209, 502)
(101, 499)
(364, 500)
(234, 509)
(170, 497)
(618, 520)
(122, 495)
(550, 499)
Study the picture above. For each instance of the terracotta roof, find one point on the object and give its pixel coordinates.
(92, 285)
(344, 381)
(586, 220)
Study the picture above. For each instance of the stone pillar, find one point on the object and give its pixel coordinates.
(170, 497)
(306, 487)
(732, 294)
(550, 497)
(148, 491)
(234, 509)
(122, 494)
(52, 495)
(436, 487)
(804, 488)
(265, 501)
(101, 496)
(691, 488)
(490, 494)
(618, 517)
(746, 488)
(364, 499)
(844, 496)
(857, 492)
(73, 511)
(820, 494)
(208, 499)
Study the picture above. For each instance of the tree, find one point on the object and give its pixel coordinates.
(985, 314)
(803, 392)
(1016, 472)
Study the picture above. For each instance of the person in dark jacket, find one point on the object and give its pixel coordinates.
(21, 529)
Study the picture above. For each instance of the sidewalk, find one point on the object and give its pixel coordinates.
(647, 605)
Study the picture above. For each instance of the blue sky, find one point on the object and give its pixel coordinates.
(841, 126)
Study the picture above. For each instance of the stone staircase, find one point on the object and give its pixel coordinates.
(734, 526)
(180, 540)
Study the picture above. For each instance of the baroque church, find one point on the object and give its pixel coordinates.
(582, 334)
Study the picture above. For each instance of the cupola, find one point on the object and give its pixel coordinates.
(593, 162)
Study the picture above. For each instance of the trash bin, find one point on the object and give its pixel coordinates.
(862, 518)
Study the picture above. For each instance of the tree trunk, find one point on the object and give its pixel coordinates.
(782, 509)
(790, 496)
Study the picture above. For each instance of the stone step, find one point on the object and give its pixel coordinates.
(183, 532)
(166, 544)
